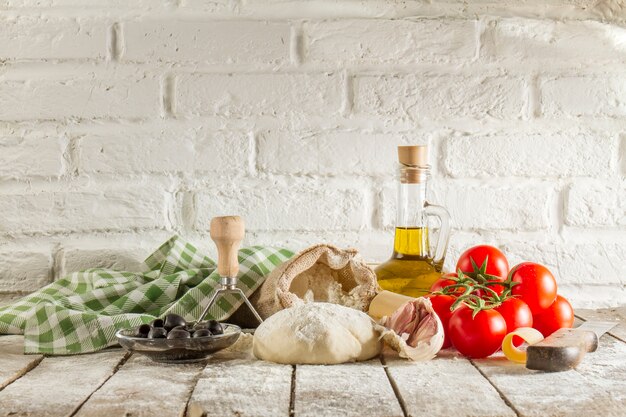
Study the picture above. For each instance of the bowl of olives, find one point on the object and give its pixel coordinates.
(173, 339)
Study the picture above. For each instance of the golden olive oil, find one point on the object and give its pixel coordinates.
(414, 264)
(409, 271)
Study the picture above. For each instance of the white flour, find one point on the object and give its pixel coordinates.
(324, 284)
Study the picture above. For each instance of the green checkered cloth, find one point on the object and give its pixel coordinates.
(81, 312)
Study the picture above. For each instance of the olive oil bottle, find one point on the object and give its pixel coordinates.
(415, 264)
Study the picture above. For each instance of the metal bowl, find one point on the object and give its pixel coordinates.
(179, 350)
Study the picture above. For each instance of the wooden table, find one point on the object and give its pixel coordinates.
(114, 383)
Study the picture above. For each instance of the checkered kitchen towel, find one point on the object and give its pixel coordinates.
(81, 312)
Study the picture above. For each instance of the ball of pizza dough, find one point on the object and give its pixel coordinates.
(317, 333)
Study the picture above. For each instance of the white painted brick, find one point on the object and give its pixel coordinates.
(514, 207)
(88, 5)
(25, 271)
(388, 198)
(621, 155)
(120, 209)
(580, 263)
(559, 154)
(373, 246)
(437, 97)
(593, 296)
(219, 7)
(576, 96)
(529, 41)
(272, 207)
(546, 254)
(169, 150)
(329, 153)
(225, 42)
(488, 207)
(596, 204)
(244, 95)
(389, 41)
(23, 157)
(593, 263)
(28, 37)
(119, 259)
(81, 98)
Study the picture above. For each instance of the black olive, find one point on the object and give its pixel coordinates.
(157, 333)
(215, 327)
(157, 323)
(178, 334)
(201, 325)
(173, 320)
(180, 328)
(202, 333)
(142, 331)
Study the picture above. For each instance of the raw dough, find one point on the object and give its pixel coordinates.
(317, 333)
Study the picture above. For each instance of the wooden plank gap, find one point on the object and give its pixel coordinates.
(192, 409)
(121, 363)
(394, 386)
(358, 389)
(292, 398)
(32, 365)
(504, 398)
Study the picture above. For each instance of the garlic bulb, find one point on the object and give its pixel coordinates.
(413, 330)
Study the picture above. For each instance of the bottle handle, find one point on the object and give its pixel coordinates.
(444, 230)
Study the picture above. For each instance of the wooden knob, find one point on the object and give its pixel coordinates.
(227, 232)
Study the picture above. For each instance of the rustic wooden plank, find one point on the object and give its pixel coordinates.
(607, 368)
(607, 314)
(445, 386)
(13, 362)
(234, 384)
(355, 389)
(142, 387)
(596, 387)
(58, 385)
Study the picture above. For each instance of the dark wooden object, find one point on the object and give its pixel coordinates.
(562, 350)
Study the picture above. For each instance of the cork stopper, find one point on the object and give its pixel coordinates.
(414, 161)
(414, 156)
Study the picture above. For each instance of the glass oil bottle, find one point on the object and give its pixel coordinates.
(414, 264)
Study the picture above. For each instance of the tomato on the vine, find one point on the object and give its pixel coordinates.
(441, 304)
(560, 314)
(487, 261)
(537, 286)
(516, 313)
(445, 281)
(478, 336)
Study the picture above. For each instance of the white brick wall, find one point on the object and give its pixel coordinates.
(122, 123)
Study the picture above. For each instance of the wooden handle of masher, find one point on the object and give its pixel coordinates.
(227, 232)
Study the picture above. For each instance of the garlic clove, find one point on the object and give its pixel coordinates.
(413, 330)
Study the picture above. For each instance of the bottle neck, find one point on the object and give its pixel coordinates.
(410, 206)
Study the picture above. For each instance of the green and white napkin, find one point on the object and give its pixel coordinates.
(81, 312)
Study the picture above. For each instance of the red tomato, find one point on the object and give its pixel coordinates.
(476, 337)
(441, 304)
(486, 260)
(537, 286)
(516, 314)
(559, 314)
(445, 281)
